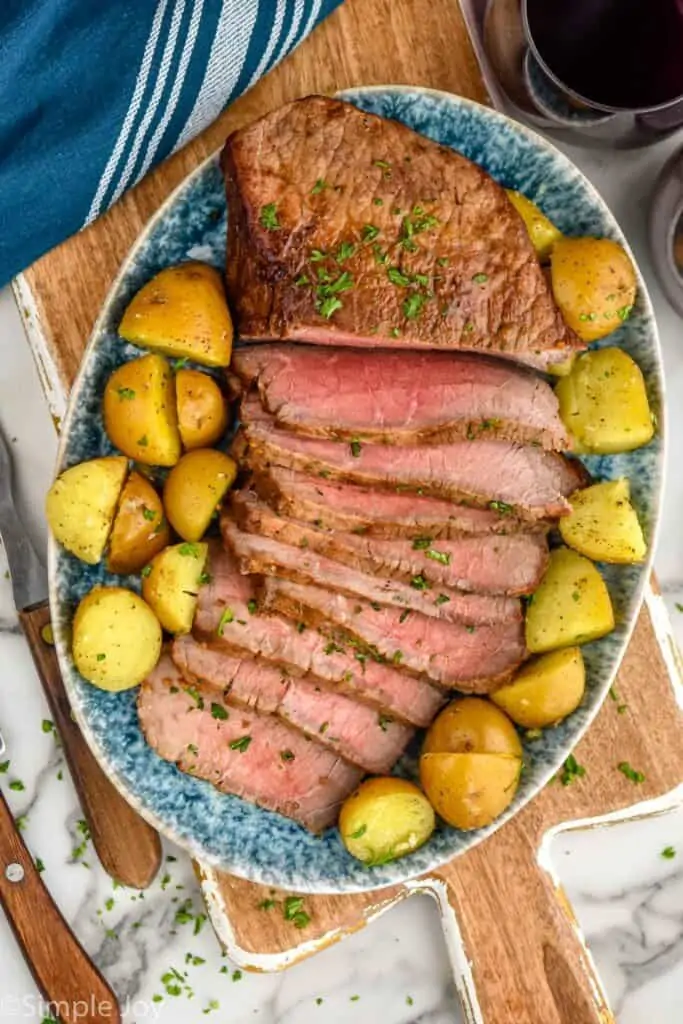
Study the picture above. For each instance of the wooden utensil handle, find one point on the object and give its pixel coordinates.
(71, 984)
(521, 942)
(129, 848)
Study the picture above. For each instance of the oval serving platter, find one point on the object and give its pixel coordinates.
(225, 831)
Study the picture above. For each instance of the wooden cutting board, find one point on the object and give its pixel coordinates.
(517, 953)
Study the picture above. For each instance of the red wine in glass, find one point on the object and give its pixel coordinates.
(613, 54)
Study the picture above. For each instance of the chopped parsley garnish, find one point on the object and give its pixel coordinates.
(469, 326)
(179, 364)
(142, 441)
(319, 187)
(414, 225)
(204, 577)
(345, 252)
(624, 312)
(377, 201)
(241, 744)
(323, 728)
(266, 905)
(327, 301)
(252, 606)
(501, 506)
(189, 550)
(301, 281)
(395, 332)
(317, 256)
(631, 774)
(438, 556)
(369, 232)
(224, 620)
(359, 833)
(47, 725)
(397, 277)
(333, 648)
(470, 629)
(300, 627)
(571, 770)
(420, 583)
(125, 393)
(17, 785)
(397, 657)
(442, 261)
(149, 514)
(293, 910)
(219, 712)
(668, 853)
(380, 255)
(355, 449)
(193, 692)
(101, 657)
(404, 615)
(146, 571)
(480, 278)
(269, 217)
(4, 765)
(287, 755)
(412, 306)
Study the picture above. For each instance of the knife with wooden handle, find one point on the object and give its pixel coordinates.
(129, 848)
(66, 977)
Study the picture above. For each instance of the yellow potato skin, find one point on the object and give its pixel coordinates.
(593, 283)
(140, 528)
(202, 411)
(545, 690)
(571, 606)
(182, 312)
(469, 790)
(541, 230)
(140, 412)
(603, 524)
(472, 724)
(116, 638)
(603, 403)
(171, 585)
(194, 489)
(562, 369)
(385, 818)
(81, 503)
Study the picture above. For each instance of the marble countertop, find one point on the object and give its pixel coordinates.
(628, 896)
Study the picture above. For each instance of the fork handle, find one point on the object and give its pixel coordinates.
(129, 848)
(65, 975)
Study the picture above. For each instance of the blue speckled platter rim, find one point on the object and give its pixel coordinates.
(348, 875)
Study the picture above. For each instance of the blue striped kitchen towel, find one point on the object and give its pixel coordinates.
(95, 92)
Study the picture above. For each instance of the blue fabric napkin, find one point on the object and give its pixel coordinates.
(93, 93)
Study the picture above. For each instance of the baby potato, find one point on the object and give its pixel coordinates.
(140, 412)
(182, 311)
(563, 368)
(116, 638)
(542, 232)
(594, 284)
(81, 503)
(603, 403)
(202, 412)
(603, 524)
(194, 489)
(385, 818)
(472, 724)
(571, 606)
(171, 584)
(140, 529)
(469, 790)
(545, 690)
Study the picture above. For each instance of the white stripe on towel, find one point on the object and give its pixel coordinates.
(162, 75)
(299, 7)
(228, 52)
(129, 120)
(177, 86)
(272, 42)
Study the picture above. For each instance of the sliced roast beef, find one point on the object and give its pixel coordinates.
(267, 557)
(227, 612)
(486, 564)
(473, 659)
(364, 735)
(252, 756)
(337, 505)
(400, 397)
(525, 480)
(346, 228)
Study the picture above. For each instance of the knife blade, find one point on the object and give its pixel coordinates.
(129, 848)
(63, 972)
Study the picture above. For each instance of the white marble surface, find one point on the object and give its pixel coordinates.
(628, 897)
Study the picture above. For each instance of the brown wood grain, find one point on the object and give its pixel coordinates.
(365, 42)
(129, 848)
(62, 970)
(528, 964)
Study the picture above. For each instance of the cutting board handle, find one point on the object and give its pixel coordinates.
(129, 848)
(514, 942)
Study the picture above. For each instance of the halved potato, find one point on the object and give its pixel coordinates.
(594, 284)
(603, 524)
(140, 528)
(571, 606)
(171, 584)
(603, 403)
(183, 312)
(385, 818)
(545, 690)
(470, 790)
(542, 231)
(472, 724)
(194, 490)
(562, 369)
(81, 503)
(202, 411)
(116, 639)
(140, 411)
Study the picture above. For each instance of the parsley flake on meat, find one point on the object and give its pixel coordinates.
(269, 219)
